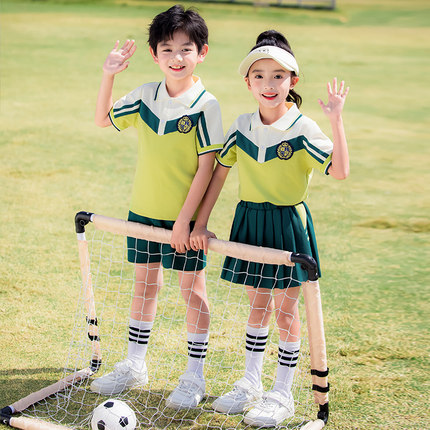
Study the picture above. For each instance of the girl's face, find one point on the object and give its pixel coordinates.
(270, 84)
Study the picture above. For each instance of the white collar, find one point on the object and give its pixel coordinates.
(282, 124)
(187, 98)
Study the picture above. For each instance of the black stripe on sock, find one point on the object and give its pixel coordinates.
(139, 342)
(255, 343)
(197, 349)
(257, 337)
(288, 358)
(138, 330)
(284, 351)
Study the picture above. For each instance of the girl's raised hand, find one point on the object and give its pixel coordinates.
(336, 98)
(116, 61)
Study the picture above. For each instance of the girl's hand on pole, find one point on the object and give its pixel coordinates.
(199, 238)
(336, 99)
(116, 61)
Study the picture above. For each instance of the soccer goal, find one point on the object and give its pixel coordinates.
(100, 333)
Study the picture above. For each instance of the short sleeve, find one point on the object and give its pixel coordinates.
(319, 148)
(126, 110)
(210, 135)
(227, 157)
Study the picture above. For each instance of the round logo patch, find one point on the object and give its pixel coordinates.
(284, 151)
(185, 124)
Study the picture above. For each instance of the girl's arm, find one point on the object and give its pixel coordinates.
(200, 235)
(339, 168)
(115, 63)
(181, 229)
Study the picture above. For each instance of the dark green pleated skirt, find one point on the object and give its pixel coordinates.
(279, 227)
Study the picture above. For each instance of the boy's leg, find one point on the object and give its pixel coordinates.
(278, 404)
(248, 390)
(131, 372)
(149, 280)
(191, 388)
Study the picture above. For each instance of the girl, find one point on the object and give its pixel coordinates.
(276, 148)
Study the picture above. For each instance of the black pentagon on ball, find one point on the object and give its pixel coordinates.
(108, 405)
(101, 425)
(123, 421)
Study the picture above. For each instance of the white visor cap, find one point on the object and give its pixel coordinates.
(281, 56)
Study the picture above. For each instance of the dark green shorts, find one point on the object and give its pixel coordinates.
(268, 225)
(142, 251)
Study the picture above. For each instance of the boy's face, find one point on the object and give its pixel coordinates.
(178, 57)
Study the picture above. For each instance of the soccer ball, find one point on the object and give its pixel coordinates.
(113, 414)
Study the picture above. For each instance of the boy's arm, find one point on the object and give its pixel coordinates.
(339, 168)
(200, 234)
(181, 229)
(115, 63)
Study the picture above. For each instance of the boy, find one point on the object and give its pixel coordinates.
(179, 130)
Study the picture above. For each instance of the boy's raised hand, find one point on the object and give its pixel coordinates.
(336, 98)
(116, 61)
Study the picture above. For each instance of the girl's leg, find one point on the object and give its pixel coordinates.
(287, 318)
(261, 308)
(278, 404)
(248, 390)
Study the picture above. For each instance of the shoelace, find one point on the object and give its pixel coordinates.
(185, 386)
(122, 367)
(237, 392)
(267, 402)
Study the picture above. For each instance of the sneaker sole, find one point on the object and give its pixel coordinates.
(180, 406)
(231, 410)
(223, 410)
(256, 422)
(99, 390)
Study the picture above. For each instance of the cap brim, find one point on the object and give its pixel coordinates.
(282, 57)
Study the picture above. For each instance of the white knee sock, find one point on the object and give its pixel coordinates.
(138, 337)
(256, 339)
(287, 360)
(197, 347)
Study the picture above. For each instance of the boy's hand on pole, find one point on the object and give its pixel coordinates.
(180, 239)
(116, 61)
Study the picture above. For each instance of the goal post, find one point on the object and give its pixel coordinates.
(101, 328)
(311, 290)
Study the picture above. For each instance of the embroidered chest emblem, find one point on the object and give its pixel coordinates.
(185, 124)
(284, 151)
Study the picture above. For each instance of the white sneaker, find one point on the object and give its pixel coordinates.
(271, 411)
(243, 396)
(188, 394)
(122, 377)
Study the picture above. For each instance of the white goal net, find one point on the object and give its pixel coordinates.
(100, 336)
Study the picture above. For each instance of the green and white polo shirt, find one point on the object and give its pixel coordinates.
(276, 161)
(172, 133)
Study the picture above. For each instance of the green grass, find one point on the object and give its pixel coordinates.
(373, 229)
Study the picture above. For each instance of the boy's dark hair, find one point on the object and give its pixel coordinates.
(274, 38)
(174, 19)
